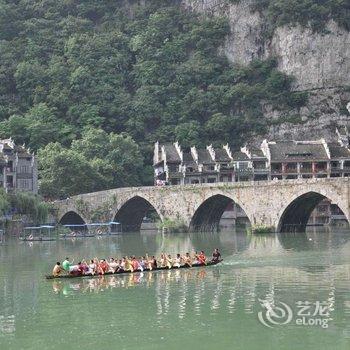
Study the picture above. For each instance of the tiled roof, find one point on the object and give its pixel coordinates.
(291, 150)
(221, 155)
(22, 151)
(239, 156)
(338, 151)
(256, 153)
(204, 157)
(188, 159)
(172, 156)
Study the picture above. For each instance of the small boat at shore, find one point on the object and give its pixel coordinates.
(210, 263)
(37, 239)
(76, 235)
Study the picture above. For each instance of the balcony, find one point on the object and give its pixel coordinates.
(226, 167)
(244, 171)
(321, 170)
(175, 175)
(306, 170)
(261, 171)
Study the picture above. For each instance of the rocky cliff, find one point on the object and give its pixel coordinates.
(320, 63)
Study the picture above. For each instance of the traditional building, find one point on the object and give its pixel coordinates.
(18, 168)
(274, 160)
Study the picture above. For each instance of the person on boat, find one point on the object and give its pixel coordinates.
(99, 269)
(216, 255)
(113, 265)
(104, 266)
(195, 257)
(66, 265)
(57, 269)
(148, 263)
(177, 261)
(143, 262)
(80, 270)
(135, 263)
(202, 259)
(128, 265)
(154, 262)
(84, 267)
(121, 265)
(187, 260)
(92, 267)
(169, 261)
(162, 260)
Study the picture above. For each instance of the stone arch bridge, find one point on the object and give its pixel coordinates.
(284, 204)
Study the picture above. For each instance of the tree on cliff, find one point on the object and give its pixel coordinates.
(151, 71)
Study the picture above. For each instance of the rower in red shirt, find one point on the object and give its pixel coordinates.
(202, 258)
(104, 265)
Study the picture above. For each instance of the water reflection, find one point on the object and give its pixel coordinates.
(315, 238)
(219, 289)
(270, 268)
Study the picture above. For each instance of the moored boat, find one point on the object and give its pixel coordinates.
(76, 235)
(37, 239)
(210, 263)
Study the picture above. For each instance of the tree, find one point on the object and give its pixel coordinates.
(116, 156)
(65, 172)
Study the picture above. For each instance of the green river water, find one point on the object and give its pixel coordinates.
(303, 281)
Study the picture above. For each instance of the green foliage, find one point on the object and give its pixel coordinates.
(261, 230)
(4, 202)
(308, 13)
(149, 70)
(28, 204)
(65, 172)
(97, 161)
(173, 226)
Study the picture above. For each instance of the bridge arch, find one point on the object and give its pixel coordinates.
(132, 212)
(71, 217)
(295, 215)
(208, 213)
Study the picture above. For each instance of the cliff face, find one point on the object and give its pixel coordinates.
(320, 64)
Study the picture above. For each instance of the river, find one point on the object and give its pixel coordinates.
(271, 292)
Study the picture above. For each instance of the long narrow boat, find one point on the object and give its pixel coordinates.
(210, 263)
(37, 239)
(78, 235)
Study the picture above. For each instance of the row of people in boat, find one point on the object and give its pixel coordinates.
(126, 264)
(98, 232)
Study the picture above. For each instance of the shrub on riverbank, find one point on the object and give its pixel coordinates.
(261, 230)
(174, 226)
(24, 204)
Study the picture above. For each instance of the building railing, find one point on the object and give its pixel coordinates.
(291, 170)
(176, 174)
(244, 171)
(261, 170)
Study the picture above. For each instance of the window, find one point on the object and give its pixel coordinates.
(243, 165)
(24, 184)
(211, 180)
(24, 169)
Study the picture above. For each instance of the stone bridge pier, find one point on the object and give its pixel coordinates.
(284, 204)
